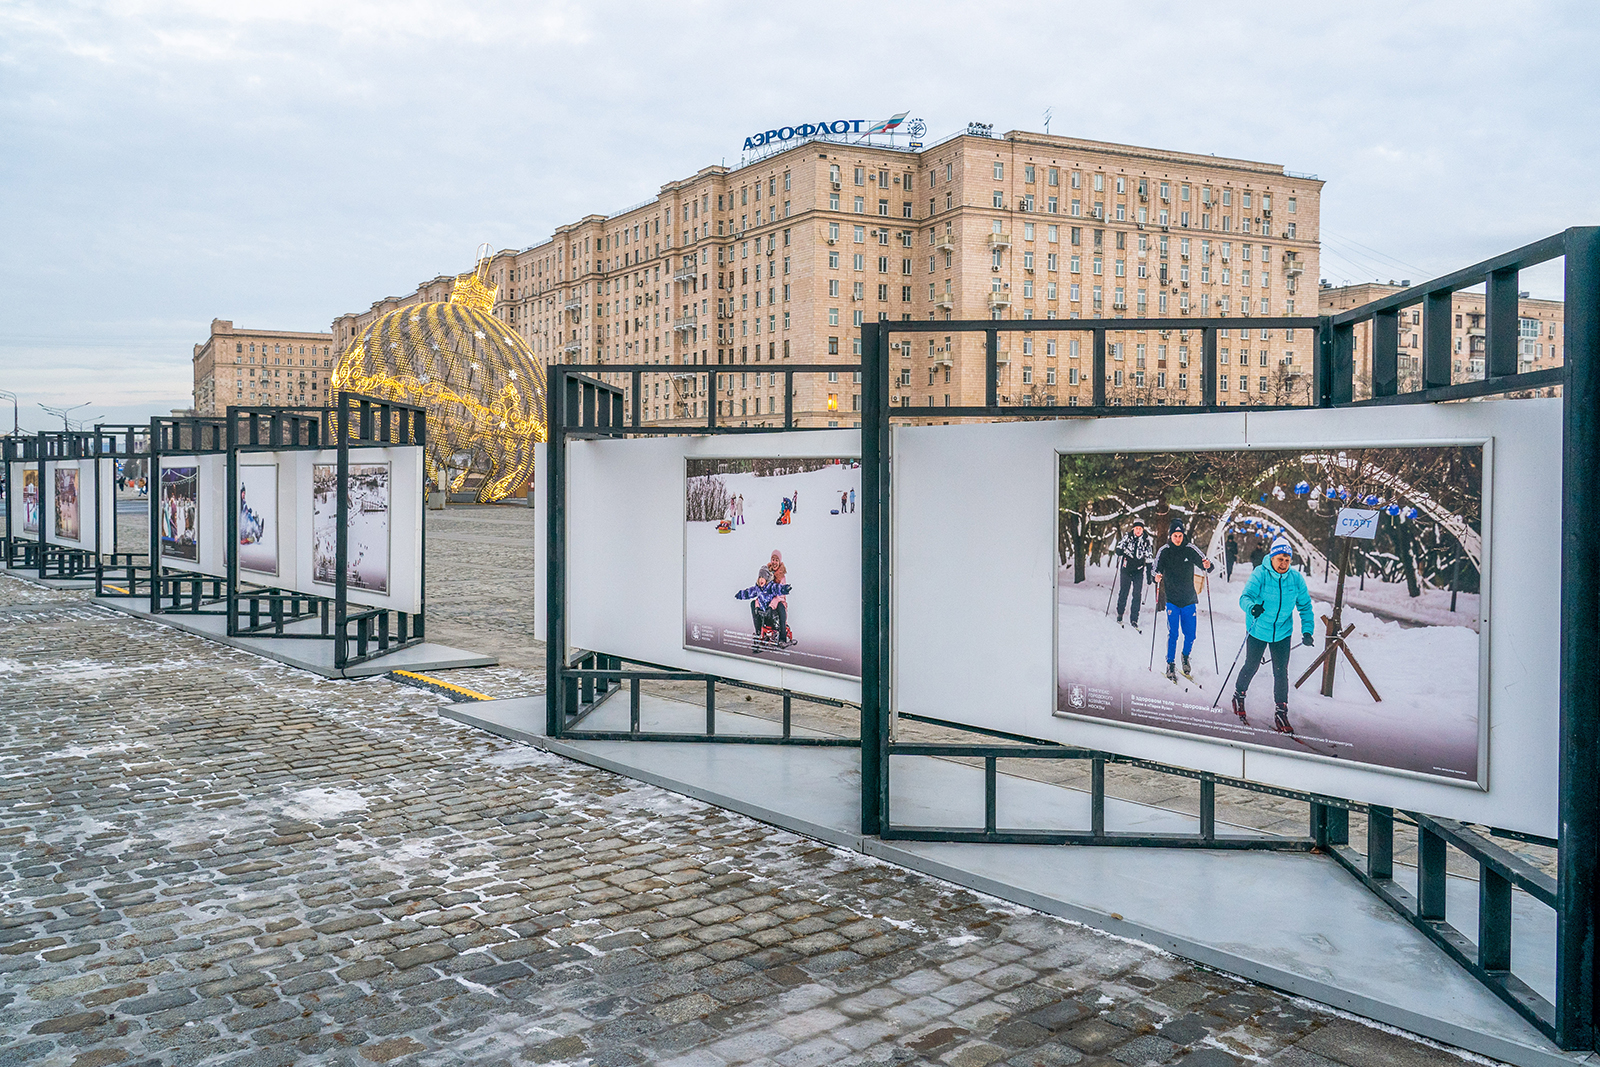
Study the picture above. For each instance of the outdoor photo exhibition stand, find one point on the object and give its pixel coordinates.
(276, 448)
(61, 509)
(296, 533)
(994, 627)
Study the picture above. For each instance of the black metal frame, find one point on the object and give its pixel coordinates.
(582, 407)
(355, 421)
(586, 407)
(61, 562)
(253, 610)
(170, 589)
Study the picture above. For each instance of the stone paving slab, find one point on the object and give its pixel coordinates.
(206, 857)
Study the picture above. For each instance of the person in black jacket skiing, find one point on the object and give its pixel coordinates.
(1136, 553)
(1174, 568)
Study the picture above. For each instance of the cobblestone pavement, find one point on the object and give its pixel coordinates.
(209, 858)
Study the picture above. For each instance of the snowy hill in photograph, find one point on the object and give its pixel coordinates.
(820, 546)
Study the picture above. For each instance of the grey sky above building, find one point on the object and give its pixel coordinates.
(277, 164)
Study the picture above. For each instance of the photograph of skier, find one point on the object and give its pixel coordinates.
(803, 608)
(1271, 599)
(1138, 558)
(1357, 577)
(1175, 585)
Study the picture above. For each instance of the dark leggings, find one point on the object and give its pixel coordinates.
(1254, 650)
(783, 618)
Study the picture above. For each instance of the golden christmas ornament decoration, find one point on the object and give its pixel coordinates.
(482, 386)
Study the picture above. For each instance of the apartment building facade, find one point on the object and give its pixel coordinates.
(239, 367)
(781, 260)
(1539, 334)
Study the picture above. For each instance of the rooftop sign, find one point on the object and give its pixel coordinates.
(835, 128)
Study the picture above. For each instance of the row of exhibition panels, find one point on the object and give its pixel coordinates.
(285, 524)
(991, 629)
(74, 503)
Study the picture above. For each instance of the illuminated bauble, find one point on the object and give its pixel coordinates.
(482, 386)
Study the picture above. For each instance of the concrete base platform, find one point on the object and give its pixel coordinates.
(1297, 922)
(31, 576)
(307, 653)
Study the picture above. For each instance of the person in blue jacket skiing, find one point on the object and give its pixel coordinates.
(1270, 600)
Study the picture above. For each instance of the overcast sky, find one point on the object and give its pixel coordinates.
(277, 164)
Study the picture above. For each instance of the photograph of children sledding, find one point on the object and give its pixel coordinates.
(1317, 602)
(765, 578)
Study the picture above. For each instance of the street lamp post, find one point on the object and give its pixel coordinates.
(62, 413)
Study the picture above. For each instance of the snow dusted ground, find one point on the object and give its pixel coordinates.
(1426, 674)
(821, 550)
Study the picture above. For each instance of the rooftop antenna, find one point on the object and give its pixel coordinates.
(1049, 112)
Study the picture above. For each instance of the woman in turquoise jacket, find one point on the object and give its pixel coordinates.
(1270, 599)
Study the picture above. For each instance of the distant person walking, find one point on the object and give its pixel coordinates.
(1174, 568)
(1256, 555)
(1230, 555)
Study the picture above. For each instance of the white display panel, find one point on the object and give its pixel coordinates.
(26, 500)
(189, 506)
(626, 550)
(384, 550)
(975, 510)
(541, 490)
(69, 496)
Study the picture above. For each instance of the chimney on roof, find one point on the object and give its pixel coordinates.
(1406, 282)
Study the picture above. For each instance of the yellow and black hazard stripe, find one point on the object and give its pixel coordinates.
(459, 694)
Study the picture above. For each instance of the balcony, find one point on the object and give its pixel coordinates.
(944, 303)
(687, 274)
(572, 346)
(1293, 267)
(999, 300)
(686, 322)
(947, 243)
(575, 304)
(999, 240)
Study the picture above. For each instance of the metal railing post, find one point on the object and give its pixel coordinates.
(1578, 858)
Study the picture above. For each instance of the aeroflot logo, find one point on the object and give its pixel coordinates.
(837, 128)
(805, 129)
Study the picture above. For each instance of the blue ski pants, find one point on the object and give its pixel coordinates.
(1180, 617)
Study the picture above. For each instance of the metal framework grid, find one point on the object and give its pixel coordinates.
(35, 553)
(588, 408)
(251, 610)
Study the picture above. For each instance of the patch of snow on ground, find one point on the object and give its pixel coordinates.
(315, 805)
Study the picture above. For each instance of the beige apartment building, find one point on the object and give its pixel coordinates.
(244, 367)
(1539, 336)
(781, 260)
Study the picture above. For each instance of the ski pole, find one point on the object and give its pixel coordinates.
(1212, 619)
(1114, 579)
(1157, 610)
(1234, 664)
